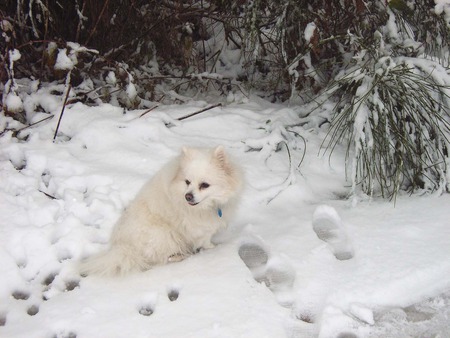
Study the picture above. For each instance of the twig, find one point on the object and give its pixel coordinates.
(304, 142)
(62, 111)
(15, 132)
(148, 110)
(290, 179)
(105, 4)
(199, 112)
(33, 42)
(33, 124)
(48, 195)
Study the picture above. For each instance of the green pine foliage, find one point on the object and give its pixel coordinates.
(393, 106)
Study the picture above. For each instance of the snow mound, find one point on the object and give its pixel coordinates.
(277, 271)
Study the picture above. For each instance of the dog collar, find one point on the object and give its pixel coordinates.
(219, 212)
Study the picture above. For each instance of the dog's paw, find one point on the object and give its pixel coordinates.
(329, 228)
(176, 258)
(203, 245)
(207, 246)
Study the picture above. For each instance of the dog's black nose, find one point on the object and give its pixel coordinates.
(189, 197)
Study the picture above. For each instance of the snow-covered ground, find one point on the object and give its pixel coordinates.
(299, 260)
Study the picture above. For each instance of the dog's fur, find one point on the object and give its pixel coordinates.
(174, 215)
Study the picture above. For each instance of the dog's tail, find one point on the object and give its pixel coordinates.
(116, 261)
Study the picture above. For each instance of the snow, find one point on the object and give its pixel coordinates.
(309, 31)
(275, 272)
(14, 55)
(63, 62)
(111, 78)
(13, 102)
(443, 7)
(131, 91)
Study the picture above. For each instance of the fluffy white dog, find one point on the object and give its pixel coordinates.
(174, 215)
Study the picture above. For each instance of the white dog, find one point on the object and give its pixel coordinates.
(174, 215)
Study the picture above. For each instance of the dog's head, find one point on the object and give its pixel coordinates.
(207, 177)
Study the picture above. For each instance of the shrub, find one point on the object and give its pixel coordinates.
(393, 107)
(395, 116)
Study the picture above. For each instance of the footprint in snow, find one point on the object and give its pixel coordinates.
(147, 308)
(276, 272)
(329, 228)
(72, 284)
(173, 294)
(33, 310)
(2, 319)
(65, 334)
(20, 295)
(50, 289)
(253, 253)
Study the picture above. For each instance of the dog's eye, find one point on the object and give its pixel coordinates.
(187, 182)
(203, 185)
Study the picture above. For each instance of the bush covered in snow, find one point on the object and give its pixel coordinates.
(385, 65)
(393, 101)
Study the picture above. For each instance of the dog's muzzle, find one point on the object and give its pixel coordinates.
(190, 198)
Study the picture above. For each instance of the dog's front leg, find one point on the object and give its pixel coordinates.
(204, 244)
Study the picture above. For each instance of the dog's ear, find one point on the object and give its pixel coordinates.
(220, 155)
(221, 158)
(185, 151)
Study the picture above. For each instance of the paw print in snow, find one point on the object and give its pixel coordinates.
(148, 305)
(173, 294)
